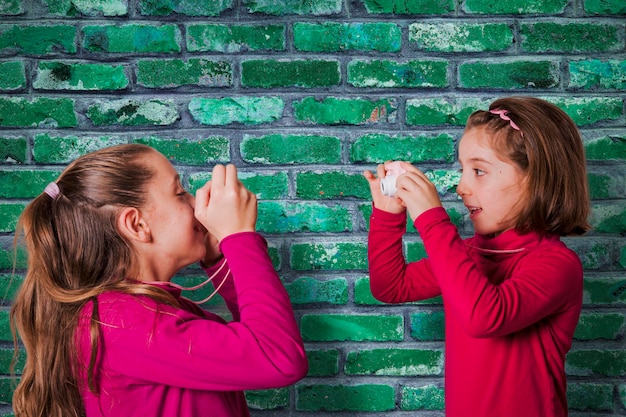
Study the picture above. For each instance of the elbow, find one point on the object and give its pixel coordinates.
(384, 295)
(293, 369)
(300, 370)
(481, 328)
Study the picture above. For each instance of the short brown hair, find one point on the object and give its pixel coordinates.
(549, 151)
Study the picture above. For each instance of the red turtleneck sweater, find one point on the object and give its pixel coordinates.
(511, 305)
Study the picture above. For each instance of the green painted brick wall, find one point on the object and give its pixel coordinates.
(303, 96)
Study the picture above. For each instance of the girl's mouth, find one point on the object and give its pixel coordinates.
(474, 210)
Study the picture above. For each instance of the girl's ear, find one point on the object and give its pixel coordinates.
(132, 225)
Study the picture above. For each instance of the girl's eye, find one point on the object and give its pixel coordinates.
(479, 172)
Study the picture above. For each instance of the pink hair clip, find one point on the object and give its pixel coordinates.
(503, 115)
(52, 190)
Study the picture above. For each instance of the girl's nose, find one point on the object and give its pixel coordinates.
(461, 188)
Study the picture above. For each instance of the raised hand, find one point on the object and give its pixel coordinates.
(382, 202)
(224, 205)
(416, 191)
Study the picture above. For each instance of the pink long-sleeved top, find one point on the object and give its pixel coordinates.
(511, 306)
(158, 360)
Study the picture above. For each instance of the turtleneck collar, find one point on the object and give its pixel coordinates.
(510, 241)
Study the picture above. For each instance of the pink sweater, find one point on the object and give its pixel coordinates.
(511, 307)
(157, 360)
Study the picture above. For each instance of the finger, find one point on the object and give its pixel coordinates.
(231, 176)
(381, 171)
(218, 177)
(202, 196)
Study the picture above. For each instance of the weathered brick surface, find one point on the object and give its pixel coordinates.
(303, 96)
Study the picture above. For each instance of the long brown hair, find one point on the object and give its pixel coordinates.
(550, 152)
(75, 253)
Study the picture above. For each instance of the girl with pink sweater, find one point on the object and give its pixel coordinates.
(105, 331)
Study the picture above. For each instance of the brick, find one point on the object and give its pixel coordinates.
(331, 185)
(393, 74)
(9, 213)
(130, 112)
(191, 152)
(426, 7)
(363, 294)
(440, 111)
(266, 73)
(340, 37)
(13, 150)
(606, 148)
(593, 326)
(595, 74)
(280, 8)
(11, 7)
(306, 290)
(604, 7)
(367, 398)
(427, 397)
(570, 37)
(515, 7)
(25, 183)
(71, 8)
(379, 148)
(606, 186)
(9, 285)
(246, 110)
(5, 327)
(520, 74)
(344, 111)
(172, 73)
(269, 186)
(235, 38)
(38, 40)
(460, 37)
(48, 149)
(79, 76)
(604, 291)
(323, 362)
(10, 258)
(590, 397)
(7, 385)
(132, 38)
(395, 362)
(40, 112)
(609, 218)
(351, 327)
(284, 217)
(588, 110)
(595, 255)
(585, 362)
(278, 149)
(184, 7)
(6, 358)
(428, 326)
(269, 399)
(13, 75)
(328, 256)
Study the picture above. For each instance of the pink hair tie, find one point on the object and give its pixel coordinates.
(503, 115)
(52, 190)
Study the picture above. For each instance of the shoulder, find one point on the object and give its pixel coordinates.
(118, 308)
(552, 260)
